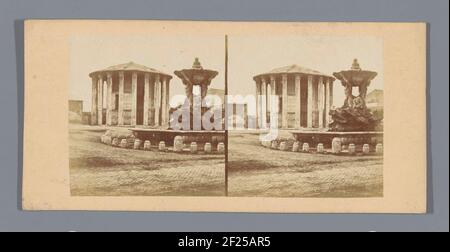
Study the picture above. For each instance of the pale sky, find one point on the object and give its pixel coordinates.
(248, 56)
(164, 53)
(253, 55)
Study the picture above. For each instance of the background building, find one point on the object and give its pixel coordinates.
(375, 102)
(75, 111)
(219, 93)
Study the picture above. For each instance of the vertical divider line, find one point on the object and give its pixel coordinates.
(226, 116)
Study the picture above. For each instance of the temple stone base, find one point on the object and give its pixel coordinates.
(338, 143)
(204, 142)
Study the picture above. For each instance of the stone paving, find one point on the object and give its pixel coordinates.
(258, 171)
(101, 170)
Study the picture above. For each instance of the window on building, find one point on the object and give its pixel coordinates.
(291, 89)
(279, 89)
(115, 87)
(280, 104)
(127, 84)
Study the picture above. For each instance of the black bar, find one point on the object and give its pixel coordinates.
(226, 115)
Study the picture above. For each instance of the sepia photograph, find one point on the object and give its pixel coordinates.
(309, 119)
(220, 116)
(130, 106)
(197, 117)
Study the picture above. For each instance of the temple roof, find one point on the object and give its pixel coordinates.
(130, 66)
(294, 69)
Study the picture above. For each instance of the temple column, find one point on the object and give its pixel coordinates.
(298, 100)
(167, 95)
(321, 101)
(133, 98)
(315, 102)
(94, 101)
(157, 99)
(264, 97)
(163, 101)
(146, 97)
(100, 101)
(272, 93)
(331, 93)
(284, 122)
(328, 97)
(109, 99)
(273, 85)
(258, 103)
(121, 88)
(310, 102)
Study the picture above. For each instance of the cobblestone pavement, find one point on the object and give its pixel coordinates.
(101, 170)
(257, 171)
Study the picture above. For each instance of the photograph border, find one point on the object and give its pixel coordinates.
(43, 174)
(435, 13)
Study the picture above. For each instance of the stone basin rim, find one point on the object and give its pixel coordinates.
(180, 131)
(338, 133)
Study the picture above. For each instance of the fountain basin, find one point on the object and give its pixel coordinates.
(326, 137)
(202, 137)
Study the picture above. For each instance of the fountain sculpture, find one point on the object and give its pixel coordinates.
(354, 114)
(192, 138)
(200, 78)
(352, 124)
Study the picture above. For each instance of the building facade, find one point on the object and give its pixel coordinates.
(75, 111)
(130, 95)
(375, 102)
(76, 106)
(305, 97)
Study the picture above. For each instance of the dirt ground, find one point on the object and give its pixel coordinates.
(101, 170)
(258, 171)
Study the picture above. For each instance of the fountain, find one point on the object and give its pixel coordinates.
(195, 136)
(354, 115)
(196, 77)
(353, 123)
